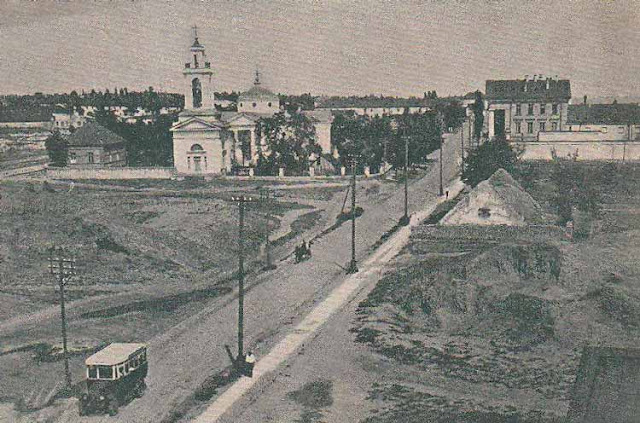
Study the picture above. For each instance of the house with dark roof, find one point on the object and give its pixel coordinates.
(611, 122)
(519, 109)
(93, 145)
(374, 106)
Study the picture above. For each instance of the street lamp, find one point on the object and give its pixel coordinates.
(441, 119)
(353, 268)
(241, 200)
(264, 197)
(62, 267)
(404, 220)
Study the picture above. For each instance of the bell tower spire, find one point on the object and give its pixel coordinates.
(198, 91)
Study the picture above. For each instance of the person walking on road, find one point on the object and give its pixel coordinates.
(249, 362)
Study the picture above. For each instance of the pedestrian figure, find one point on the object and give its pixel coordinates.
(447, 193)
(249, 362)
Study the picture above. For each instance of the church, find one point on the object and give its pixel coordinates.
(211, 142)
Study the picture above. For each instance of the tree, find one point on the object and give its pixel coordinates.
(574, 189)
(423, 134)
(453, 114)
(291, 143)
(478, 114)
(57, 149)
(482, 162)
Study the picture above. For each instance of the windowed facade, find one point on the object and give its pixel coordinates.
(554, 126)
(554, 109)
(518, 110)
(90, 158)
(543, 109)
(519, 127)
(530, 109)
(530, 127)
(543, 126)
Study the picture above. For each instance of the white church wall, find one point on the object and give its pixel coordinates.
(211, 156)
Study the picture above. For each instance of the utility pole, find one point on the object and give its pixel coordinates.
(61, 268)
(353, 268)
(462, 148)
(441, 191)
(404, 220)
(264, 197)
(241, 205)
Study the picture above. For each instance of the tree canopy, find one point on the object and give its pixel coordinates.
(57, 149)
(482, 162)
(291, 143)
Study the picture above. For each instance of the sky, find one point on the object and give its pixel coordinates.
(338, 47)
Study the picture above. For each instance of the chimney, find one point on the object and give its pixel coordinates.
(585, 99)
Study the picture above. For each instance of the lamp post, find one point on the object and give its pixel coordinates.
(264, 197)
(241, 200)
(353, 268)
(441, 120)
(404, 220)
(62, 267)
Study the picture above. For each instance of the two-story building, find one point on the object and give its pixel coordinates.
(520, 109)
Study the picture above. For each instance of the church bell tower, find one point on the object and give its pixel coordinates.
(198, 75)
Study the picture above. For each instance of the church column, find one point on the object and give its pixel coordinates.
(253, 145)
(235, 147)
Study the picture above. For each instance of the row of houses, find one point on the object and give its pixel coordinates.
(63, 118)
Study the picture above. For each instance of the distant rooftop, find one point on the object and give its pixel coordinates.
(371, 102)
(547, 89)
(604, 114)
(92, 134)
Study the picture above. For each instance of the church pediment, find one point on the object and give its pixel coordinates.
(196, 124)
(242, 120)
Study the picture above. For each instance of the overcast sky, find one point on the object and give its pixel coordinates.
(335, 47)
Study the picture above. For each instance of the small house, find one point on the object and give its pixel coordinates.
(93, 145)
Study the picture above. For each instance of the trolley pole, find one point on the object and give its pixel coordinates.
(441, 190)
(62, 267)
(264, 196)
(241, 205)
(462, 148)
(404, 221)
(353, 267)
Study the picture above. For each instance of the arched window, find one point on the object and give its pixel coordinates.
(196, 89)
(254, 104)
(197, 147)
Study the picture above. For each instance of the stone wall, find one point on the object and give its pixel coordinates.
(605, 150)
(112, 173)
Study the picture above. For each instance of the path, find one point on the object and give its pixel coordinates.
(285, 349)
(183, 357)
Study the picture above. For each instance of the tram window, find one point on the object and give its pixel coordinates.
(105, 372)
(93, 372)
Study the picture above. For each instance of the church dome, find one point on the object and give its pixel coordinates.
(258, 92)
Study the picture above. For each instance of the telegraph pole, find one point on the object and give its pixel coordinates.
(62, 267)
(241, 205)
(353, 268)
(462, 148)
(441, 191)
(264, 196)
(404, 220)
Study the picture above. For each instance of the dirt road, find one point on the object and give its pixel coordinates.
(183, 357)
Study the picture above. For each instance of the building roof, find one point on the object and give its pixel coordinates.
(113, 354)
(521, 206)
(258, 92)
(607, 386)
(92, 134)
(529, 90)
(604, 114)
(370, 102)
